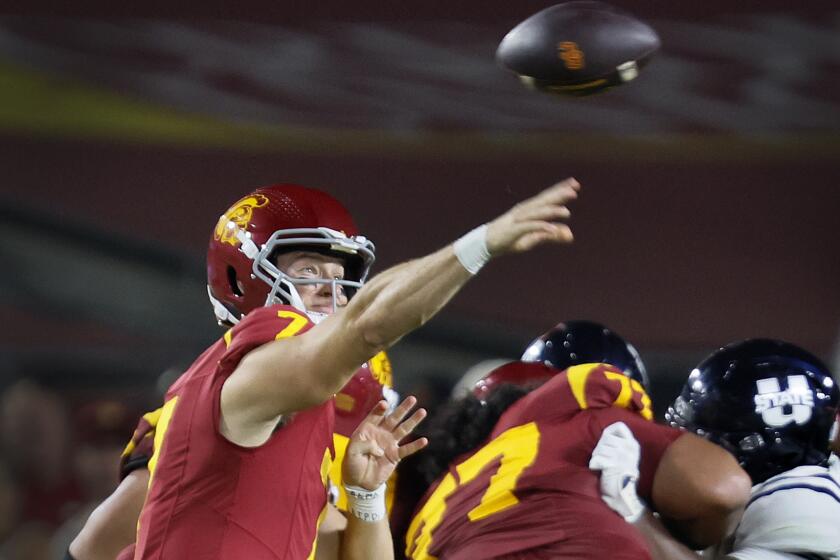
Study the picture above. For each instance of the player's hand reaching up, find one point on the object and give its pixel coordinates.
(375, 449)
(534, 221)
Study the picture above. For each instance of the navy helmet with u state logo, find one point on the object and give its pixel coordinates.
(770, 403)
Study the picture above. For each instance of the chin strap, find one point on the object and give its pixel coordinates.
(223, 314)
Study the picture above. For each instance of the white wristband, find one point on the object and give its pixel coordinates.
(367, 505)
(471, 249)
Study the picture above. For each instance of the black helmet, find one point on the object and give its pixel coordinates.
(585, 342)
(769, 403)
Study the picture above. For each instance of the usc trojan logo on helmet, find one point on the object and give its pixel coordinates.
(239, 215)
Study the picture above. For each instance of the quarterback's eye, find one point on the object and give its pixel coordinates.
(307, 272)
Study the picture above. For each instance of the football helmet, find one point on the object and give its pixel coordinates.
(241, 272)
(583, 342)
(527, 375)
(769, 403)
(370, 384)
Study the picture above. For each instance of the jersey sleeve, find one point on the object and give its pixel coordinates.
(141, 447)
(260, 326)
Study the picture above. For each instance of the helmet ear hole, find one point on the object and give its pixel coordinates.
(234, 285)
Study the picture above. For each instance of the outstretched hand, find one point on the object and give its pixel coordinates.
(534, 221)
(375, 450)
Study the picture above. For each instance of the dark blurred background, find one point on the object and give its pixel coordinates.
(709, 210)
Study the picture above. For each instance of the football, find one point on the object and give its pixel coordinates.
(578, 48)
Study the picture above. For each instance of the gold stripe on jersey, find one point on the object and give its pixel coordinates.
(340, 444)
(160, 433)
(326, 463)
(228, 337)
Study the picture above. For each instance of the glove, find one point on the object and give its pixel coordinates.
(617, 457)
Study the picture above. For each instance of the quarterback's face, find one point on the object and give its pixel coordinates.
(316, 297)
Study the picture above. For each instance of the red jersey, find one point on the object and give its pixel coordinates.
(212, 499)
(528, 492)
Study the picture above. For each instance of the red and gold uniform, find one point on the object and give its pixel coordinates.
(370, 384)
(528, 492)
(212, 499)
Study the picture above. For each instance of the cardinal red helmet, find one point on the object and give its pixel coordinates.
(523, 374)
(241, 273)
(370, 384)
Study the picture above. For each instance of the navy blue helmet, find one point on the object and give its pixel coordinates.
(584, 342)
(769, 403)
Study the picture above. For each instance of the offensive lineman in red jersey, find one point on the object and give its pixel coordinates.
(525, 491)
(242, 446)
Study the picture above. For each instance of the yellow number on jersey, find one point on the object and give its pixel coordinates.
(579, 374)
(518, 449)
(628, 388)
(298, 322)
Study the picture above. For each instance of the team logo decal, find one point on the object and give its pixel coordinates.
(779, 408)
(380, 369)
(239, 215)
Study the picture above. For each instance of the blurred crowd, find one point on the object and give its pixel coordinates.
(60, 458)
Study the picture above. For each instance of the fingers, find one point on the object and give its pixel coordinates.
(534, 221)
(377, 414)
(617, 448)
(550, 213)
(399, 413)
(408, 426)
(558, 193)
(548, 200)
(618, 429)
(536, 233)
(412, 447)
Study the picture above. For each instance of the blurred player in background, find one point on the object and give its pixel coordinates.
(773, 406)
(262, 390)
(510, 464)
